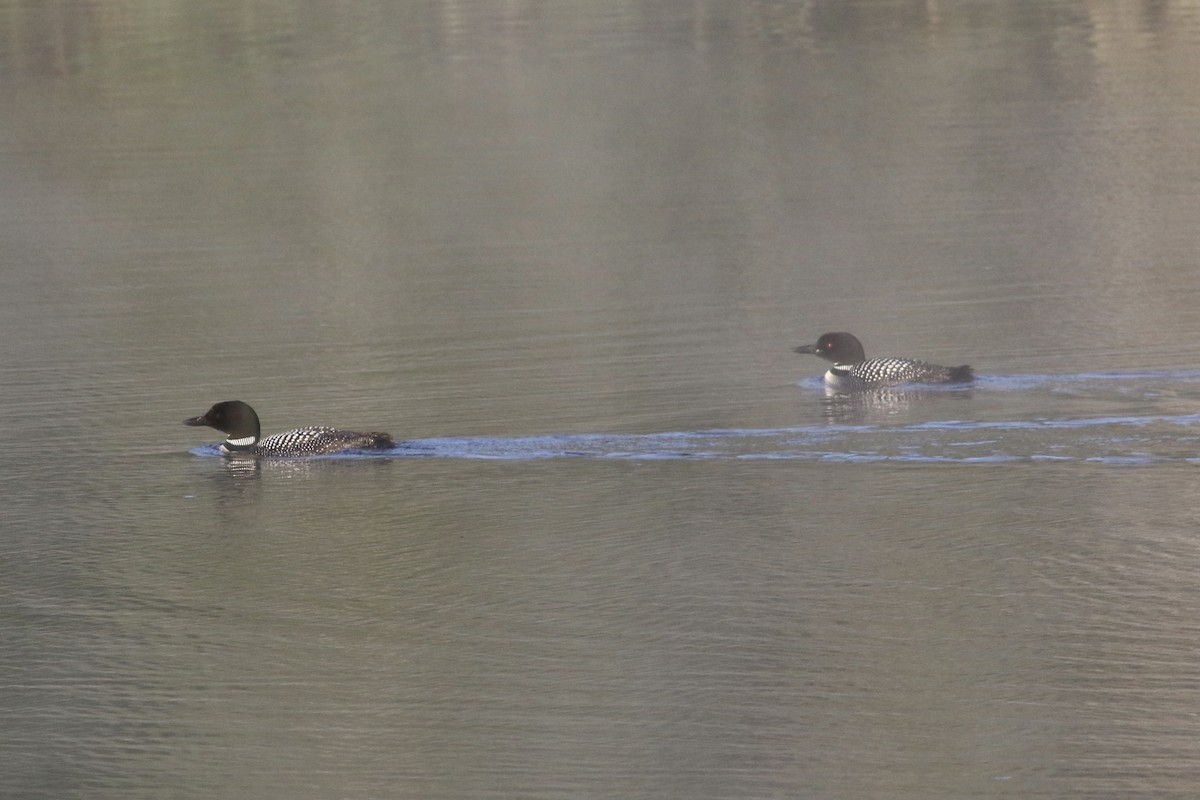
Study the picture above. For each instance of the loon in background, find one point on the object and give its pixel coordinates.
(852, 371)
(240, 423)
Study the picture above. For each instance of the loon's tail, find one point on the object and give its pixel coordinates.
(963, 374)
(381, 441)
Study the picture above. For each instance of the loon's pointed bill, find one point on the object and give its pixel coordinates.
(240, 424)
(853, 371)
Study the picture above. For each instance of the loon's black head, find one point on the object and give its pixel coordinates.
(232, 417)
(840, 348)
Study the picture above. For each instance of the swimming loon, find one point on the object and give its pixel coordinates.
(239, 421)
(853, 371)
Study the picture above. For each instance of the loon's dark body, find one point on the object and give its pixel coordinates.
(240, 422)
(852, 371)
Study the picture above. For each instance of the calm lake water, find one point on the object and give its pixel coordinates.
(629, 548)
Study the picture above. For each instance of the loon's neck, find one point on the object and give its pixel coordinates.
(245, 443)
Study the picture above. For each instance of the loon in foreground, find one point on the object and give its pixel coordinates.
(852, 371)
(239, 421)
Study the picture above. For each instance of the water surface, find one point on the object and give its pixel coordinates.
(629, 547)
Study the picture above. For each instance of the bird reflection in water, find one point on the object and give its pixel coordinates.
(877, 404)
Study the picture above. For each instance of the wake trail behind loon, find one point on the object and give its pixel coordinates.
(1114, 438)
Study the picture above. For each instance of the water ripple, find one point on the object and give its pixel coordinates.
(1114, 439)
(1118, 440)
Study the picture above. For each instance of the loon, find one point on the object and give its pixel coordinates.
(852, 371)
(238, 420)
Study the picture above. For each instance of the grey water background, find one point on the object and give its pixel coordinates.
(630, 549)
